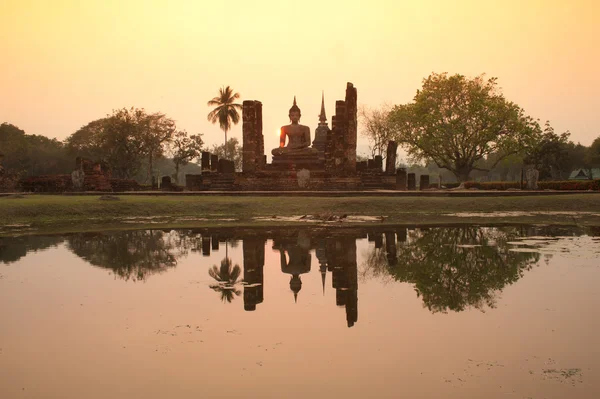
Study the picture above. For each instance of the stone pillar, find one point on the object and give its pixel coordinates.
(205, 245)
(205, 161)
(401, 179)
(411, 181)
(401, 234)
(390, 160)
(253, 146)
(390, 248)
(214, 163)
(378, 163)
(351, 127)
(424, 182)
(341, 257)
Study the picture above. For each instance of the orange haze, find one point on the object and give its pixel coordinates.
(68, 62)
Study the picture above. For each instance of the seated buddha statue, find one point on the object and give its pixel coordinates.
(298, 137)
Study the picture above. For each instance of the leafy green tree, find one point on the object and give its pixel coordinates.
(232, 148)
(155, 132)
(226, 110)
(592, 156)
(124, 140)
(456, 122)
(184, 149)
(550, 154)
(32, 154)
(47, 156)
(14, 148)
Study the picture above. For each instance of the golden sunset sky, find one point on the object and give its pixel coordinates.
(65, 63)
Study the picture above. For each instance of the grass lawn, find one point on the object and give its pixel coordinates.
(39, 213)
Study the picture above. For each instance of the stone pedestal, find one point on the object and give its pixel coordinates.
(296, 161)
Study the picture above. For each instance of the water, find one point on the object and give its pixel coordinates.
(439, 312)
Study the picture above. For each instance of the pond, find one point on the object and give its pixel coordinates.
(454, 311)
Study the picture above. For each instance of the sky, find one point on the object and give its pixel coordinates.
(65, 63)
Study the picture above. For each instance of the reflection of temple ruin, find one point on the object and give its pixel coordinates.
(336, 254)
(340, 256)
(254, 261)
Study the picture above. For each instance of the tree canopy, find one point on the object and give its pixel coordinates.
(184, 149)
(376, 127)
(124, 140)
(456, 122)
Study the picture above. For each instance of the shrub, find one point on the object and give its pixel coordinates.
(570, 185)
(582, 185)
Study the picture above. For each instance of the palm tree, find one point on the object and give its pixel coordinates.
(226, 111)
(227, 278)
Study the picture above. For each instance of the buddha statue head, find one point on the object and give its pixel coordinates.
(295, 113)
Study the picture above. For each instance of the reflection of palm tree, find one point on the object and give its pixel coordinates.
(227, 279)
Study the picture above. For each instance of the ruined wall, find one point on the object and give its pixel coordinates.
(340, 150)
(252, 136)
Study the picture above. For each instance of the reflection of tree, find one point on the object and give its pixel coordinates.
(130, 255)
(14, 248)
(227, 277)
(454, 268)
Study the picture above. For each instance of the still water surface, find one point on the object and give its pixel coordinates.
(439, 312)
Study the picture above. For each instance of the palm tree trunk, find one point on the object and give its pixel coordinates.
(225, 148)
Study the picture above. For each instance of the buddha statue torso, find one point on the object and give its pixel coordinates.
(298, 136)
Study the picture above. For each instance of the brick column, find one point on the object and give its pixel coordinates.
(252, 137)
(351, 127)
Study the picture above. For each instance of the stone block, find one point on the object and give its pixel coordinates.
(401, 179)
(193, 182)
(205, 162)
(303, 178)
(226, 166)
(378, 160)
(214, 163)
(424, 182)
(411, 181)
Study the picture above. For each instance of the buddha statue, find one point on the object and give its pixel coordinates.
(298, 137)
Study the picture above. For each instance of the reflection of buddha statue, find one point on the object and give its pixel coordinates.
(297, 262)
(298, 137)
